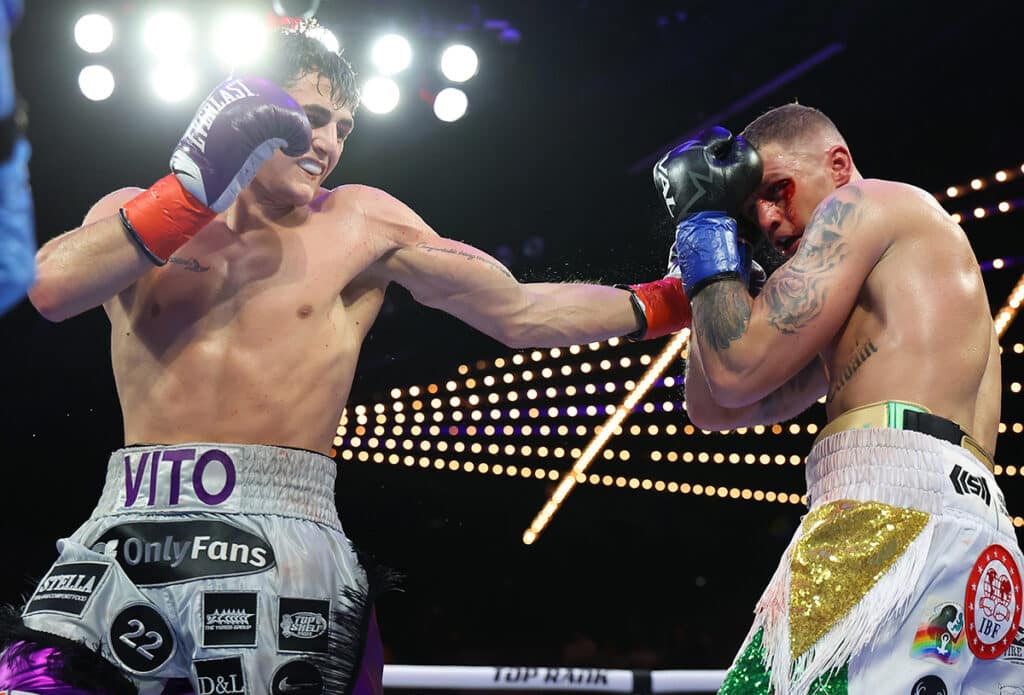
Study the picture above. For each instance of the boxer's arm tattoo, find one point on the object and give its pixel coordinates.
(860, 356)
(722, 313)
(465, 254)
(796, 293)
(776, 406)
(191, 264)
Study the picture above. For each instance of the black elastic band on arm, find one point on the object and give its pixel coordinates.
(710, 279)
(134, 236)
(639, 312)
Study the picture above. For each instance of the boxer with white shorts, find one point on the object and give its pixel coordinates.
(904, 576)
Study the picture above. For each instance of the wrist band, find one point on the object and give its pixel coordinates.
(639, 312)
(134, 236)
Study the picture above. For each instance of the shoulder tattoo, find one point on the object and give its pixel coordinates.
(796, 293)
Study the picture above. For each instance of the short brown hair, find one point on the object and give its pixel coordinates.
(787, 123)
(296, 51)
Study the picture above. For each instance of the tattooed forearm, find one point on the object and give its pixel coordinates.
(722, 311)
(795, 294)
(860, 356)
(190, 264)
(779, 404)
(465, 254)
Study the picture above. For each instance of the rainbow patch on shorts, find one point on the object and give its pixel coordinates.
(942, 636)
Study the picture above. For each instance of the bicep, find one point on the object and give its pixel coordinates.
(443, 273)
(110, 204)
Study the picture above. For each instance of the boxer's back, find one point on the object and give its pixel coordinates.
(921, 330)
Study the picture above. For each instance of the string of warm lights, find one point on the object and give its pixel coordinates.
(977, 184)
(983, 211)
(606, 480)
(1009, 311)
(671, 350)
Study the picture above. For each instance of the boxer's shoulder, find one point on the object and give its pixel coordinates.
(379, 213)
(110, 203)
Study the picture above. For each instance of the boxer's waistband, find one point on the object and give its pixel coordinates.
(222, 479)
(903, 415)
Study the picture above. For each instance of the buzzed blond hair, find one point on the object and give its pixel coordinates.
(785, 125)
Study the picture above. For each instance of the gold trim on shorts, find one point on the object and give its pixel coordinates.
(890, 414)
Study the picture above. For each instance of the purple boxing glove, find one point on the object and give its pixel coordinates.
(237, 128)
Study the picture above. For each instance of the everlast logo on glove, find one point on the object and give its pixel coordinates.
(967, 484)
(156, 553)
(227, 93)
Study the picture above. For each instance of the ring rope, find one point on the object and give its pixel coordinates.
(539, 678)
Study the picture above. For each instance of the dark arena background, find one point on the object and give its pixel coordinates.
(452, 443)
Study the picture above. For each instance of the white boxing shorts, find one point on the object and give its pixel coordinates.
(903, 577)
(208, 568)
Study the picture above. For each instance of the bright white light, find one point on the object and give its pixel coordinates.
(96, 82)
(459, 63)
(167, 33)
(173, 81)
(326, 37)
(380, 94)
(239, 38)
(94, 33)
(391, 54)
(450, 104)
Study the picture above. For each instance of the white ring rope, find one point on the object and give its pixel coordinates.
(535, 678)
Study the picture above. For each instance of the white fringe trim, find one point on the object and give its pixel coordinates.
(874, 619)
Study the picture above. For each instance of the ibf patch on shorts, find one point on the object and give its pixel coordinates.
(942, 635)
(302, 625)
(993, 603)
(67, 588)
(229, 618)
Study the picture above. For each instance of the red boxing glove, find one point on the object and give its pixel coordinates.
(661, 307)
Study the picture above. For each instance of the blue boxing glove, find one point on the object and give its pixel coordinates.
(708, 250)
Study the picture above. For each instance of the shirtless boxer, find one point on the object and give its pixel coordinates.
(239, 292)
(904, 576)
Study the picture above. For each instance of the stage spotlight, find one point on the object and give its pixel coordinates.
(296, 8)
(167, 33)
(94, 33)
(96, 82)
(450, 104)
(391, 54)
(173, 81)
(459, 63)
(326, 37)
(380, 94)
(239, 38)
